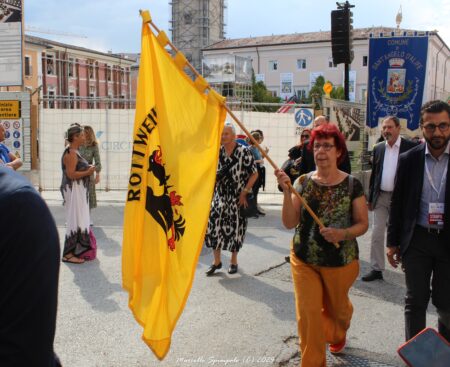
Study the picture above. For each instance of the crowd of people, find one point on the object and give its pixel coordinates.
(409, 194)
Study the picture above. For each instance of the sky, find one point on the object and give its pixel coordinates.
(115, 25)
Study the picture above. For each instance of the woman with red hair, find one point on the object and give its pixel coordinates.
(322, 272)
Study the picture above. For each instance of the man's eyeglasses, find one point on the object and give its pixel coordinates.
(443, 126)
(304, 136)
(326, 147)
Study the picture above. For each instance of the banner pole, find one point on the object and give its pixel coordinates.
(241, 125)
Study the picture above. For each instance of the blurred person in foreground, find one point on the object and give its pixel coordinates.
(6, 157)
(236, 175)
(29, 268)
(418, 233)
(322, 273)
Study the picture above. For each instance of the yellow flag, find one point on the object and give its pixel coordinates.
(176, 143)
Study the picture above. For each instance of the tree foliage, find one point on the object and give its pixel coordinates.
(262, 95)
(316, 92)
(338, 93)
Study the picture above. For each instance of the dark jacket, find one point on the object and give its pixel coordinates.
(29, 268)
(308, 164)
(295, 152)
(406, 199)
(377, 167)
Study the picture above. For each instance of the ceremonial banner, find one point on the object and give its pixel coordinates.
(176, 142)
(396, 79)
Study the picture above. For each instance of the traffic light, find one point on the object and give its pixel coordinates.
(342, 36)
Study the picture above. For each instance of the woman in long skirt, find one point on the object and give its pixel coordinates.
(74, 187)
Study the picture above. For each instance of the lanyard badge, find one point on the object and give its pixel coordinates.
(436, 214)
(436, 210)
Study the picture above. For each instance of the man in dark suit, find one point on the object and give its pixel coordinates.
(308, 164)
(384, 167)
(419, 221)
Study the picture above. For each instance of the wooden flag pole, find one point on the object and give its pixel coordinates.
(146, 18)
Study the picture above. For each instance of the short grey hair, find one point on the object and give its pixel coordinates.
(231, 126)
(393, 118)
(321, 117)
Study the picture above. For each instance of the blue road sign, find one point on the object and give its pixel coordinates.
(304, 116)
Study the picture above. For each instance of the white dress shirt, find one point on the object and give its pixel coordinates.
(390, 165)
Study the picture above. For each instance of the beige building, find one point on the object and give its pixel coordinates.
(289, 64)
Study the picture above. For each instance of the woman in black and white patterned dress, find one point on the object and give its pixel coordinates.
(236, 174)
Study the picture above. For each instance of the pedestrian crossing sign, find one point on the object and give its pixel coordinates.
(304, 116)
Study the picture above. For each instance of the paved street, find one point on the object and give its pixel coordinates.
(246, 319)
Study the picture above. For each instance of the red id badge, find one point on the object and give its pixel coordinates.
(436, 214)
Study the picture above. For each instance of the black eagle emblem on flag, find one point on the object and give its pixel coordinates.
(163, 208)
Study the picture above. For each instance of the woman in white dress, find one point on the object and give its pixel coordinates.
(74, 188)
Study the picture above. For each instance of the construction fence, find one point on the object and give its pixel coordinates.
(114, 128)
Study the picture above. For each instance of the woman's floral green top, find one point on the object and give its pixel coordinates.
(333, 205)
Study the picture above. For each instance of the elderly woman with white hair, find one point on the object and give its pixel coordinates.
(236, 175)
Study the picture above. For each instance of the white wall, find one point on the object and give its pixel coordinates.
(114, 129)
(115, 142)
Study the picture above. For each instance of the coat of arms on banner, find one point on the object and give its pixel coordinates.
(396, 76)
(397, 90)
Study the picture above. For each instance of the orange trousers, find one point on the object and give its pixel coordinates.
(322, 305)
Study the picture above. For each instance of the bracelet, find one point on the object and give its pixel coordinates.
(248, 191)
